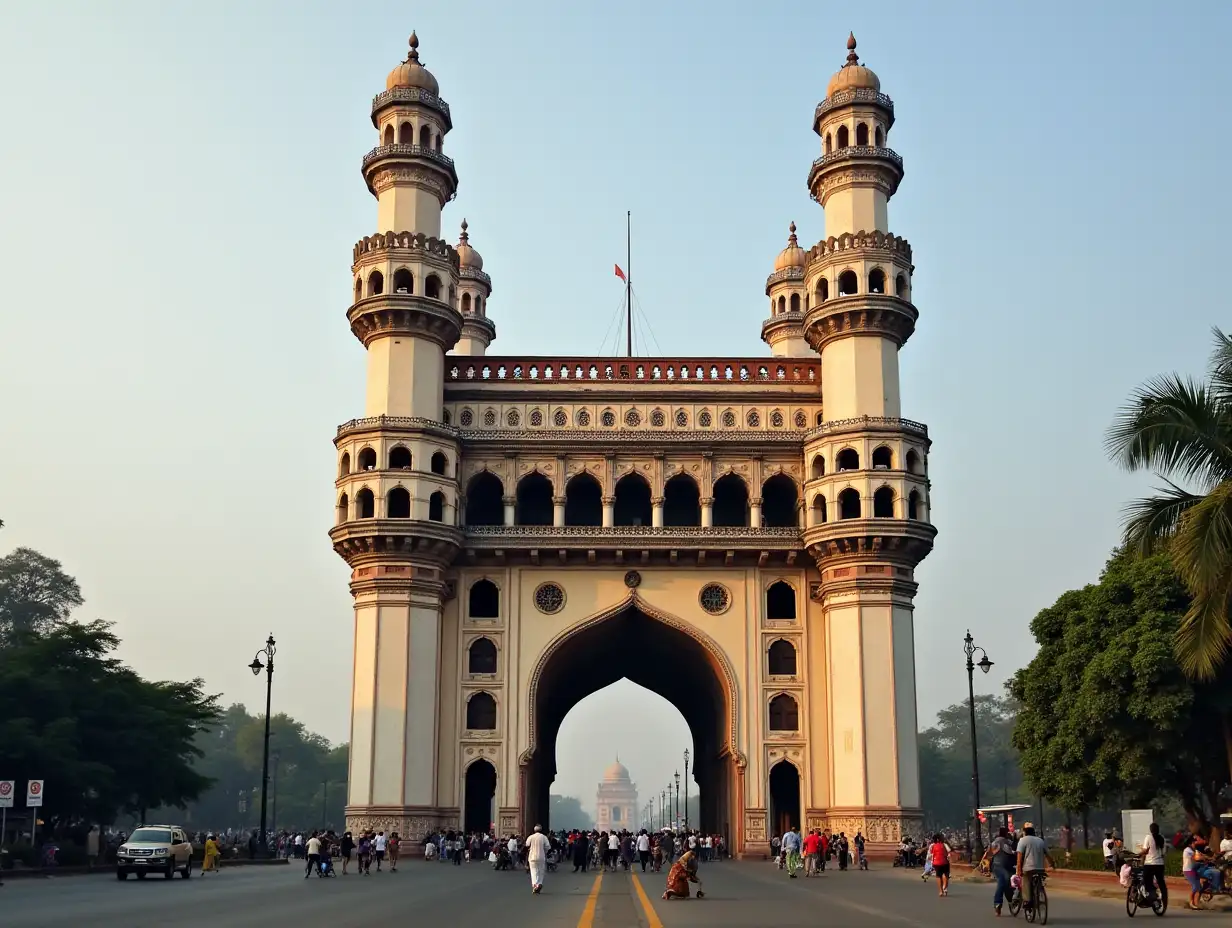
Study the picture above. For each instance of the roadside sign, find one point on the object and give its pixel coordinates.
(34, 793)
(6, 794)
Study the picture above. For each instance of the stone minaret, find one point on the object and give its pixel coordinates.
(867, 491)
(397, 484)
(474, 288)
(789, 299)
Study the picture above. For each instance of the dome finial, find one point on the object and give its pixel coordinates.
(465, 236)
(414, 43)
(791, 238)
(852, 57)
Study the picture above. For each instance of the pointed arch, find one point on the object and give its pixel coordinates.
(583, 500)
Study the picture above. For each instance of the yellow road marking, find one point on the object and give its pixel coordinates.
(652, 919)
(588, 914)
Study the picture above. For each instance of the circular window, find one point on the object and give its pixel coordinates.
(489, 418)
(583, 418)
(512, 419)
(714, 598)
(704, 419)
(656, 418)
(549, 598)
(560, 419)
(753, 419)
(633, 579)
(633, 418)
(609, 418)
(801, 421)
(776, 419)
(729, 419)
(467, 419)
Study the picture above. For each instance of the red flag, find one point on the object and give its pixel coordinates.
(621, 274)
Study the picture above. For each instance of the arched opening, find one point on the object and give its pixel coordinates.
(388, 137)
(453, 296)
(376, 283)
(359, 289)
(848, 459)
(781, 601)
(583, 501)
(344, 464)
(731, 502)
(861, 134)
(784, 713)
(879, 137)
(624, 654)
(883, 458)
(425, 136)
(440, 463)
(795, 303)
(484, 503)
(819, 466)
(400, 458)
(784, 797)
(404, 281)
(900, 286)
(913, 461)
(841, 137)
(483, 600)
(779, 502)
(478, 305)
(829, 143)
(365, 504)
(432, 287)
(481, 656)
(883, 503)
(782, 659)
(466, 302)
(398, 504)
(876, 281)
(534, 504)
(481, 712)
(819, 509)
(344, 509)
(436, 507)
(406, 134)
(782, 305)
(479, 816)
(913, 505)
(849, 504)
(682, 503)
(823, 290)
(437, 142)
(367, 459)
(632, 500)
(847, 283)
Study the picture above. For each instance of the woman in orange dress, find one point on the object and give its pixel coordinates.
(683, 872)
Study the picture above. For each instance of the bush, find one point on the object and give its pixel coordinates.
(1093, 859)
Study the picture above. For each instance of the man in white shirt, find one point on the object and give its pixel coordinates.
(314, 855)
(537, 846)
(1032, 854)
(643, 848)
(613, 849)
(1225, 846)
(379, 844)
(1109, 851)
(513, 850)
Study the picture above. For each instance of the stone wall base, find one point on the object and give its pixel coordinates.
(412, 823)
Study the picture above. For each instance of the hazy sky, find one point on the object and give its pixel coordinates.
(181, 190)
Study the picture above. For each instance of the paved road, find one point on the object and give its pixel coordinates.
(738, 895)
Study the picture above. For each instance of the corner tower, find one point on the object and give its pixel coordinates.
(397, 490)
(866, 466)
(474, 289)
(788, 294)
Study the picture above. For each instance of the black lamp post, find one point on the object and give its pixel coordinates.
(662, 808)
(985, 665)
(677, 799)
(274, 804)
(686, 789)
(256, 667)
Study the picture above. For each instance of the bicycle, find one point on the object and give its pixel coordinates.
(1038, 909)
(1139, 894)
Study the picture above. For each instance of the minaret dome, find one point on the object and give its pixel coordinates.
(474, 289)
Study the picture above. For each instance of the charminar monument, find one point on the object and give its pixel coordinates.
(739, 535)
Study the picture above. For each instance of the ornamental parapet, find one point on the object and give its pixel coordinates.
(409, 95)
(787, 273)
(842, 245)
(362, 540)
(867, 424)
(752, 373)
(395, 155)
(848, 97)
(397, 424)
(855, 165)
(598, 439)
(900, 542)
(415, 242)
(405, 314)
(860, 314)
(470, 273)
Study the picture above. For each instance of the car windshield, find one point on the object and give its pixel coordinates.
(151, 835)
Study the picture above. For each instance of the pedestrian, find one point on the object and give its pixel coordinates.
(1032, 854)
(378, 848)
(680, 876)
(209, 862)
(394, 846)
(314, 854)
(346, 848)
(537, 847)
(363, 854)
(1153, 864)
(643, 848)
(1000, 856)
(791, 847)
(939, 856)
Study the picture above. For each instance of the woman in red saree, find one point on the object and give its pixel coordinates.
(683, 872)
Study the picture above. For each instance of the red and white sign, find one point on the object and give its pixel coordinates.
(34, 793)
(6, 794)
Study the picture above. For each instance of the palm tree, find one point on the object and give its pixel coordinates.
(1182, 429)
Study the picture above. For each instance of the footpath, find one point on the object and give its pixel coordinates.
(1105, 885)
(44, 873)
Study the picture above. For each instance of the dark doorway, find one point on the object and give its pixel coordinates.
(480, 793)
(484, 505)
(779, 502)
(784, 797)
(731, 501)
(681, 502)
(481, 656)
(481, 712)
(632, 500)
(583, 501)
(534, 500)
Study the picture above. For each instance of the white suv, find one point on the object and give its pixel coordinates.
(155, 849)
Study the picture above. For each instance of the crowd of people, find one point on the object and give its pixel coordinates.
(814, 850)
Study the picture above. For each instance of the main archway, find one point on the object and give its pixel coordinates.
(661, 653)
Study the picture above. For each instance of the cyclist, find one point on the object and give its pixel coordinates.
(1032, 854)
(1153, 864)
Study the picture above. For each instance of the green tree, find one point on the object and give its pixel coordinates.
(35, 593)
(567, 812)
(1182, 429)
(1108, 715)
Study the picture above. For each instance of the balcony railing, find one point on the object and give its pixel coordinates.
(407, 151)
(856, 95)
(867, 422)
(859, 151)
(410, 95)
(630, 531)
(728, 371)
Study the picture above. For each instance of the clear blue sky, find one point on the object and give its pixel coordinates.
(181, 192)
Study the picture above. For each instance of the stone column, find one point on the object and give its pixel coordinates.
(656, 512)
(558, 511)
(609, 511)
(755, 512)
(510, 508)
(707, 511)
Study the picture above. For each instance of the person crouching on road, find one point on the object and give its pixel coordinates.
(683, 872)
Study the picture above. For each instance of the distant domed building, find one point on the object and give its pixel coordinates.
(616, 800)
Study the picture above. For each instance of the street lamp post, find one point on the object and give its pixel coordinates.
(677, 798)
(662, 808)
(256, 667)
(686, 789)
(985, 665)
(274, 804)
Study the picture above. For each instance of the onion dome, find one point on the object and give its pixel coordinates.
(411, 73)
(852, 75)
(616, 773)
(468, 256)
(793, 255)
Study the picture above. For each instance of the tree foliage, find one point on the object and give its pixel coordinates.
(567, 812)
(35, 593)
(1108, 715)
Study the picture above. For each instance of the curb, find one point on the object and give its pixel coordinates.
(30, 873)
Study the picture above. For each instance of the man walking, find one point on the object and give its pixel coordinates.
(791, 847)
(378, 847)
(643, 848)
(537, 846)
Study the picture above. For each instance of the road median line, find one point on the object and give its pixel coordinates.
(652, 917)
(588, 913)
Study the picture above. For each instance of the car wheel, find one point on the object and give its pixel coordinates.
(186, 873)
(121, 874)
(170, 871)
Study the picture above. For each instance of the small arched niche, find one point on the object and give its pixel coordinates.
(481, 712)
(481, 656)
(365, 504)
(849, 504)
(398, 504)
(784, 713)
(883, 458)
(883, 503)
(819, 466)
(483, 600)
(400, 458)
(876, 281)
(781, 659)
(404, 281)
(847, 459)
(848, 283)
(436, 507)
(344, 464)
(781, 601)
(440, 463)
(376, 283)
